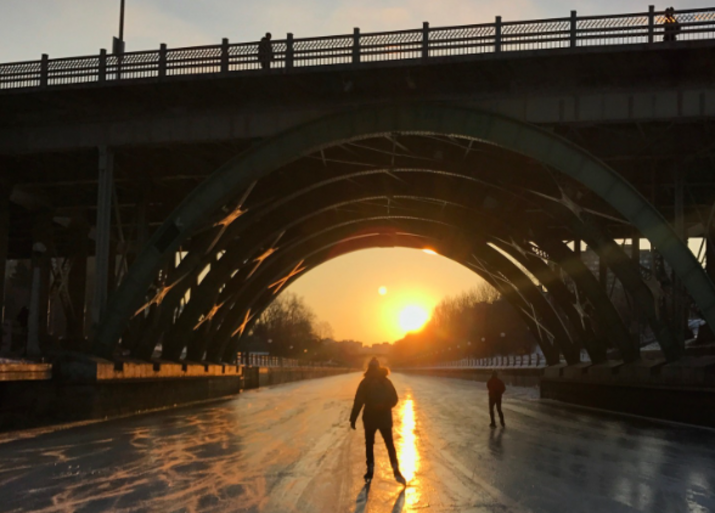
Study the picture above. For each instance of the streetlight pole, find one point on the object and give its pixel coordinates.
(118, 42)
(121, 22)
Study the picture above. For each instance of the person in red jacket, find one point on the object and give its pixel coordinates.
(496, 389)
(377, 394)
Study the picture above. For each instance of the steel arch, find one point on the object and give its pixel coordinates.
(413, 118)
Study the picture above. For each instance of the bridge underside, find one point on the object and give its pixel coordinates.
(495, 195)
(509, 201)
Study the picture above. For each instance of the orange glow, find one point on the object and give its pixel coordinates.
(407, 452)
(346, 291)
(430, 251)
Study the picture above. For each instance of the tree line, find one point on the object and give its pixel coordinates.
(478, 323)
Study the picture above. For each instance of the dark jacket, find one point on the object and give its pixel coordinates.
(378, 395)
(496, 387)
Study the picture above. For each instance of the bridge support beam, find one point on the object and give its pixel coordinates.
(103, 232)
(680, 309)
(77, 282)
(636, 257)
(40, 289)
(5, 191)
(710, 253)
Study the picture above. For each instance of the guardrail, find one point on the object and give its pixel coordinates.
(500, 362)
(426, 43)
(259, 360)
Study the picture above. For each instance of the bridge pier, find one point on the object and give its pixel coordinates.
(5, 191)
(40, 289)
(77, 282)
(103, 232)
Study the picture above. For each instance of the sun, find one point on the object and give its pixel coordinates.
(382, 290)
(413, 317)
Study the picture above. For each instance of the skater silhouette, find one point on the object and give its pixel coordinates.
(496, 389)
(377, 394)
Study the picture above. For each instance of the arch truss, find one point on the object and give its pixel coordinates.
(508, 200)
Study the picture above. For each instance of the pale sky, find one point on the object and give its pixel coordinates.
(63, 28)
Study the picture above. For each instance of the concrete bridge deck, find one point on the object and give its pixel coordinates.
(289, 449)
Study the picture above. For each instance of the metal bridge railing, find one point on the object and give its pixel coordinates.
(499, 362)
(259, 360)
(423, 44)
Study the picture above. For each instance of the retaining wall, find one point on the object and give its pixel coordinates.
(683, 391)
(89, 389)
(518, 377)
(268, 376)
(680, 404)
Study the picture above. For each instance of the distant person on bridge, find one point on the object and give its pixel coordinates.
(671, 24)
(265, 51)
(378, 395)
(496, 388)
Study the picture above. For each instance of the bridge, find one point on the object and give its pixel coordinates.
(164, 198)
(198, 186)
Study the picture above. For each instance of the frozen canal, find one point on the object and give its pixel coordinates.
(290, 449)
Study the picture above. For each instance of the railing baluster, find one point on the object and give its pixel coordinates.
(574, 21)
(224, 55)
(497, 34)
(425, 40)
(651, 23)
(102, 71)
(289, 51)
(356, 45)
(44, 70)
(162, 60)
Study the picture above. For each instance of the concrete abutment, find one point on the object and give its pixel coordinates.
(86, 389)
(682, 391)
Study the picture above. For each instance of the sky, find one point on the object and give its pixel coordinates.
(343, 292)
(63, 28)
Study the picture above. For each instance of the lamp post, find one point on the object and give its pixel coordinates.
(118, 42)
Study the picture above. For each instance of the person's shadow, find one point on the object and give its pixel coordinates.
(361, 501)
(495, 444)
(400, 502)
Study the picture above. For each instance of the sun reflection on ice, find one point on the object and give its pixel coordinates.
(407, 452)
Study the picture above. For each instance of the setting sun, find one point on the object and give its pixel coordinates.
(413, 318)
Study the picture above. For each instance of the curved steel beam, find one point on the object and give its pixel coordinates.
(528, 291)
(227, 346)
(545, 147)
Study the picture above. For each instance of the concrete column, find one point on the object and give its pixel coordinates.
(40, 289)
(710, 253)
(5, 191)
(77, 282)
(636, 257)
(103, 232)
(680, 312)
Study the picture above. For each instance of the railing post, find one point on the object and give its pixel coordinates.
(425, 41)
(651, 23)
(102, 71)
(356, 45)
(289, 51)
(162, 60)
(497, 34)
(224, 55)
(44, 70)
(573, 29)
